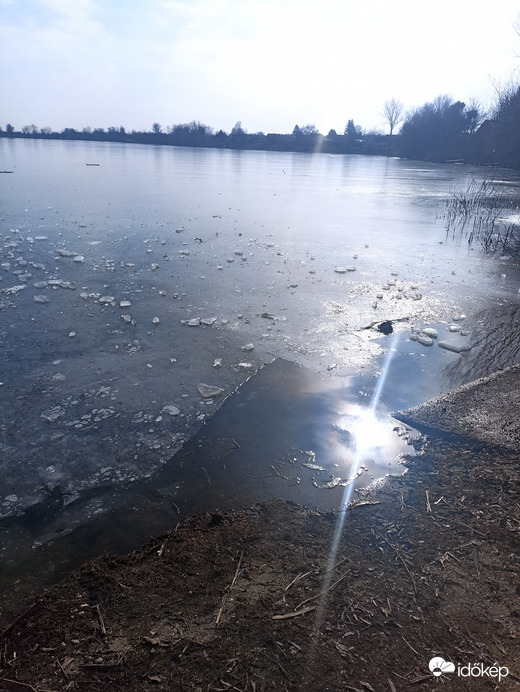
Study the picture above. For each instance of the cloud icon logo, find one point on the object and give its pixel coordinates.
(439, 666)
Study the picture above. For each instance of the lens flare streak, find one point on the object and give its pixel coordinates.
(365, 438)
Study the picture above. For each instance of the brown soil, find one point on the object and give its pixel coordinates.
(428, 566)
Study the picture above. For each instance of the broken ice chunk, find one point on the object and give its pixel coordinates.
(171, 410)
(52, 414)
(446, 345)
(208, 391)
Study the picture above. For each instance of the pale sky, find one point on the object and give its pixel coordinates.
(270, 64)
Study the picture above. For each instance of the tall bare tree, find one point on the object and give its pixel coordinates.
(392, 112)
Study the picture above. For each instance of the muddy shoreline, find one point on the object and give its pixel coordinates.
(276, 596)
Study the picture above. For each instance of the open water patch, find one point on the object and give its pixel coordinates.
(286, 432)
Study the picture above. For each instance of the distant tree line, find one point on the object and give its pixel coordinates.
(305, 138)
(441, 130)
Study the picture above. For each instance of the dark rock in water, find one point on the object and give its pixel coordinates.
(385, 327)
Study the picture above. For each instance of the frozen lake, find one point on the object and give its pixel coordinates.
(131, 275)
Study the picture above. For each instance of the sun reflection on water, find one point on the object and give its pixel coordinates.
(370, 442)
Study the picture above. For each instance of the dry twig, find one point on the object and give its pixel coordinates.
(100, 619)
(401, 558)
(17, 682)
(224, 597)
(294, 614)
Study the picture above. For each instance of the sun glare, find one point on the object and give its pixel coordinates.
(370, 434)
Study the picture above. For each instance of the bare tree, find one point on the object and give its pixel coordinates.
(475, 115)
(441, 103)
(392, 112)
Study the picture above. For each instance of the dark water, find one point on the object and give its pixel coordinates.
(102, 268)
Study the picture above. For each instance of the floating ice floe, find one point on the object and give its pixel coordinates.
(14, 290)
(424, 340)
(41, 299)
(52, 414)
(333, 483)
(248, 347)
(456, 348)
(431, 332)
(171, 410)
(458, 318)
(208, 391)
(155, 320)
(66, 253)
(208, 321)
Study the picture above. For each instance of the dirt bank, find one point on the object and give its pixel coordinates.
(426, 566)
